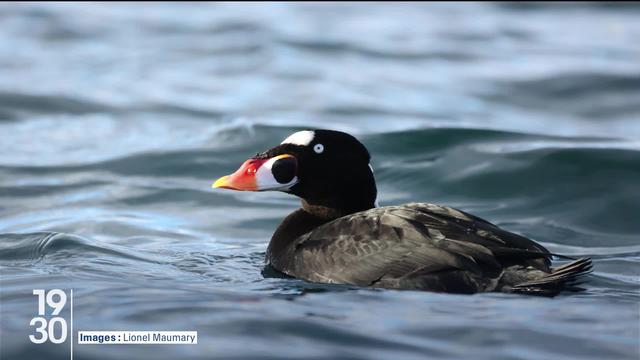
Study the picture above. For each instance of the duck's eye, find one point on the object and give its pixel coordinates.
(318, 148)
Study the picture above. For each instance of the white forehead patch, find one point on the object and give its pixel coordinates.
(302, 138)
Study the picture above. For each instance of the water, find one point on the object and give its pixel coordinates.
(115, 119)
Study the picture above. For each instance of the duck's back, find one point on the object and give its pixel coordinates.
(412, 246)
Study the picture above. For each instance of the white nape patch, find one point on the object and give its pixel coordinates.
(302, 138)
(375, 203)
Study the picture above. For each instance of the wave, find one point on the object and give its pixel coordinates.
(48, 104)
(590, 95)
(378, 52)
(37, 245)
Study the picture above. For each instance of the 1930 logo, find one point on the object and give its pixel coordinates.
(52, 329)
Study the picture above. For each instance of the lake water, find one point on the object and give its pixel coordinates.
(115, 120)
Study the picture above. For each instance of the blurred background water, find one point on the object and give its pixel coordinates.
(115, 119)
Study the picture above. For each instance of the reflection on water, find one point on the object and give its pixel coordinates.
(114, 119)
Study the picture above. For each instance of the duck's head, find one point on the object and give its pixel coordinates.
(325, 168)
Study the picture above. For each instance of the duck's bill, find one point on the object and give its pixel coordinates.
(276, 173)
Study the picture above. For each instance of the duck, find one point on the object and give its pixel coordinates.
(340, 235)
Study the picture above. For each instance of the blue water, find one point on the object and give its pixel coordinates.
(115, 119)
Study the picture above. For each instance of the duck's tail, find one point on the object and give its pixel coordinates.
(566, 277)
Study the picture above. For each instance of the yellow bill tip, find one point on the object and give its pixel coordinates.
(220, 182)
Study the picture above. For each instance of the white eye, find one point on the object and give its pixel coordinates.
(318, 148)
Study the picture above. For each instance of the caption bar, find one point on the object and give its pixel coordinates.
(138, 337)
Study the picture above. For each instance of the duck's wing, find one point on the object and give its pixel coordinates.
(510, 248)
(414, 245)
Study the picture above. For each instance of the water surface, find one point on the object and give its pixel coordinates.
(115, 119)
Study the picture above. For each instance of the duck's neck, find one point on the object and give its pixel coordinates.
(295, 224)
(355, 193)
(301, 222)
(325, 212)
